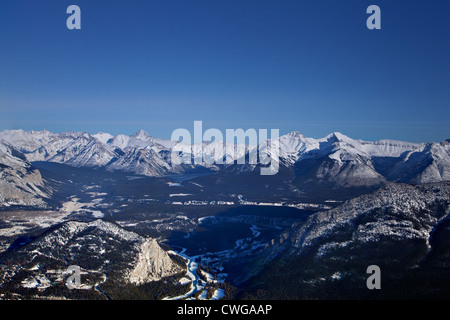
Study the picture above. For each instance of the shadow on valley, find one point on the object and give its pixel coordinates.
(206, 223)
(229, 241)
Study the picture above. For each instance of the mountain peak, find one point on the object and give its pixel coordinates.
(337, 136)
(141, 134)
(103, 137)
(295, 134)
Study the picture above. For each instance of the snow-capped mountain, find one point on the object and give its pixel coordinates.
(396, 211)
(427, 164)
(103, 137)
(106, 254)
(141, 259)
(20, 183)
(28, 141)
(339, 160)
(84, 151)
(143, 161)
(335, 159)
(140, 139)
(349, 162)
(73, 148)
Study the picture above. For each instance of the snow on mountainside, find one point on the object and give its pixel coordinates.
(49, 148)
(85, 151)
(400, 228)
(140, 139)
(20, 183)
(430, 165)
(145, 161)
(103, 137)
(338, 160)
(351, 162)
(27, 141)
(101, 245)
(335, 159)
(396, 211)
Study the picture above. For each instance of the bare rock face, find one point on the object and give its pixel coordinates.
(20, 183)
(153, 263)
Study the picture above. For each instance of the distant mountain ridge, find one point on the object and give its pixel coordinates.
(335, 160)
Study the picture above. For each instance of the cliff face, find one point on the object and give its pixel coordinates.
(20, 183)
(153, 263)
(105, 253)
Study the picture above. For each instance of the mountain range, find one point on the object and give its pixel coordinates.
(333, 162)
(335, 206)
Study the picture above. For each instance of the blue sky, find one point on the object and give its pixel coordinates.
(309, 66)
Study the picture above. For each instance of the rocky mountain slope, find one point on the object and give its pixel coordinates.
(153, 263)
(396, 211)
(20, 183)
(403, 229)
(106, 254)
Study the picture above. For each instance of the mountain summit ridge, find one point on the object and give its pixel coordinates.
(335, 156)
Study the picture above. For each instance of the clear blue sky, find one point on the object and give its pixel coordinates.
(309, 66)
